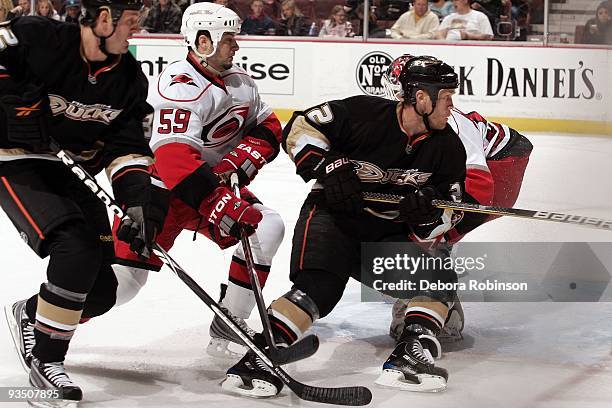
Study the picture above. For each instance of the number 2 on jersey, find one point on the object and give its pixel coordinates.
(173, 121)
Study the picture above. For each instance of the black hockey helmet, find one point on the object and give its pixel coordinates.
(116, 7)
(429, 74)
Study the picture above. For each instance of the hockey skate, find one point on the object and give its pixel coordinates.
(22, 331)
(411, 365)
(252, 378)
(451, 332)
(221, 337)
(52, 377)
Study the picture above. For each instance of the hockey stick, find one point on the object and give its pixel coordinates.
(591, 222)
(299, 350)
(354, 396)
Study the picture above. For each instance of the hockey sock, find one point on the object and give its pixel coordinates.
(291, 315)
(239, 297)
(427, 312)
(58, 312)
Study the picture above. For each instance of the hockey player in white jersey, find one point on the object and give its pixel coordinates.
(209, 121)
(497, 157)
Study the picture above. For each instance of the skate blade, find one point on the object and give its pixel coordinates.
(261, 389)
(14, 330)
(60, 403)
(219, 348)
(395, 379)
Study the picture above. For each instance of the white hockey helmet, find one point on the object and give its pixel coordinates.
(214, 18)
(390, 78)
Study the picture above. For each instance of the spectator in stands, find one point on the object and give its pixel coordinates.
(225, 3)
(292, 21)
(418, 23)
(465, 24)
(22, 9)
(442, 8)
(337, 25)
(5, 8)
(598, 30)
(164, 17)
(44, 8)
(495, 10)
(258, 23)
(73, 10)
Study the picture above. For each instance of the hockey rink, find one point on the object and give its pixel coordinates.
(151, 352)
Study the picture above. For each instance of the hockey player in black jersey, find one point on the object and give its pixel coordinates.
(75, 85)
(369, 144)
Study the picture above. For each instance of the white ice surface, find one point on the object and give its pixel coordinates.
(150, 352)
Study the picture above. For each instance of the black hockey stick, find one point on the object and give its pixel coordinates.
(584, 221)
(354, 396)
(299, 350)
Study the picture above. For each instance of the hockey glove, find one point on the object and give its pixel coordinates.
(246, 159)
(226, 211)
(340, 182)
(146, 208)
(27, 118)
(220, 238)
(416, 209)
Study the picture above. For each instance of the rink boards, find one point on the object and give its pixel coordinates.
(530, 87)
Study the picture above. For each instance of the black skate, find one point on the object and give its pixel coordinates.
(22, 331)
(52, 376)
(251, 377)
(411, 365)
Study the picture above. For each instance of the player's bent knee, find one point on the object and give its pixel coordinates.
(324, 288)
(271, 231)
(129, 282)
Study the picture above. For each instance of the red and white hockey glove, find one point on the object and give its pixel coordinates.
(245, 159)
(220, 238)
(228, 212)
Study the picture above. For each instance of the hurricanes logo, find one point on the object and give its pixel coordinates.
(370, 70)
(182, 79)
(79, 111)
(225, 127)
(371, 173)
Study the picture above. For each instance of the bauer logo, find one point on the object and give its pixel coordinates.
(370, 70)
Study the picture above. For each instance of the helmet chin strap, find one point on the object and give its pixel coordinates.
(425, 116)
(204, 59)
(102, 39)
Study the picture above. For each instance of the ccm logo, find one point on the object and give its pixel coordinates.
(335, 164)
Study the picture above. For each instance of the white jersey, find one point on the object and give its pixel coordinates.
(210, 114)
(482, 139)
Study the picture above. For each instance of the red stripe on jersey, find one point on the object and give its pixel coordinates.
(175, 161)
(130, 169)
(479, 184)
(273, 124)
(22, 208)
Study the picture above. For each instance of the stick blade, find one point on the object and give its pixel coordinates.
(300, 350)
(352, 396)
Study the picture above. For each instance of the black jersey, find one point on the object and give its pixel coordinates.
(366, 130)
(97, 107)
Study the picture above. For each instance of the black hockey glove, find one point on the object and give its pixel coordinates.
(27, 118)
(146, 207)
(340, 182)
(416, 209)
